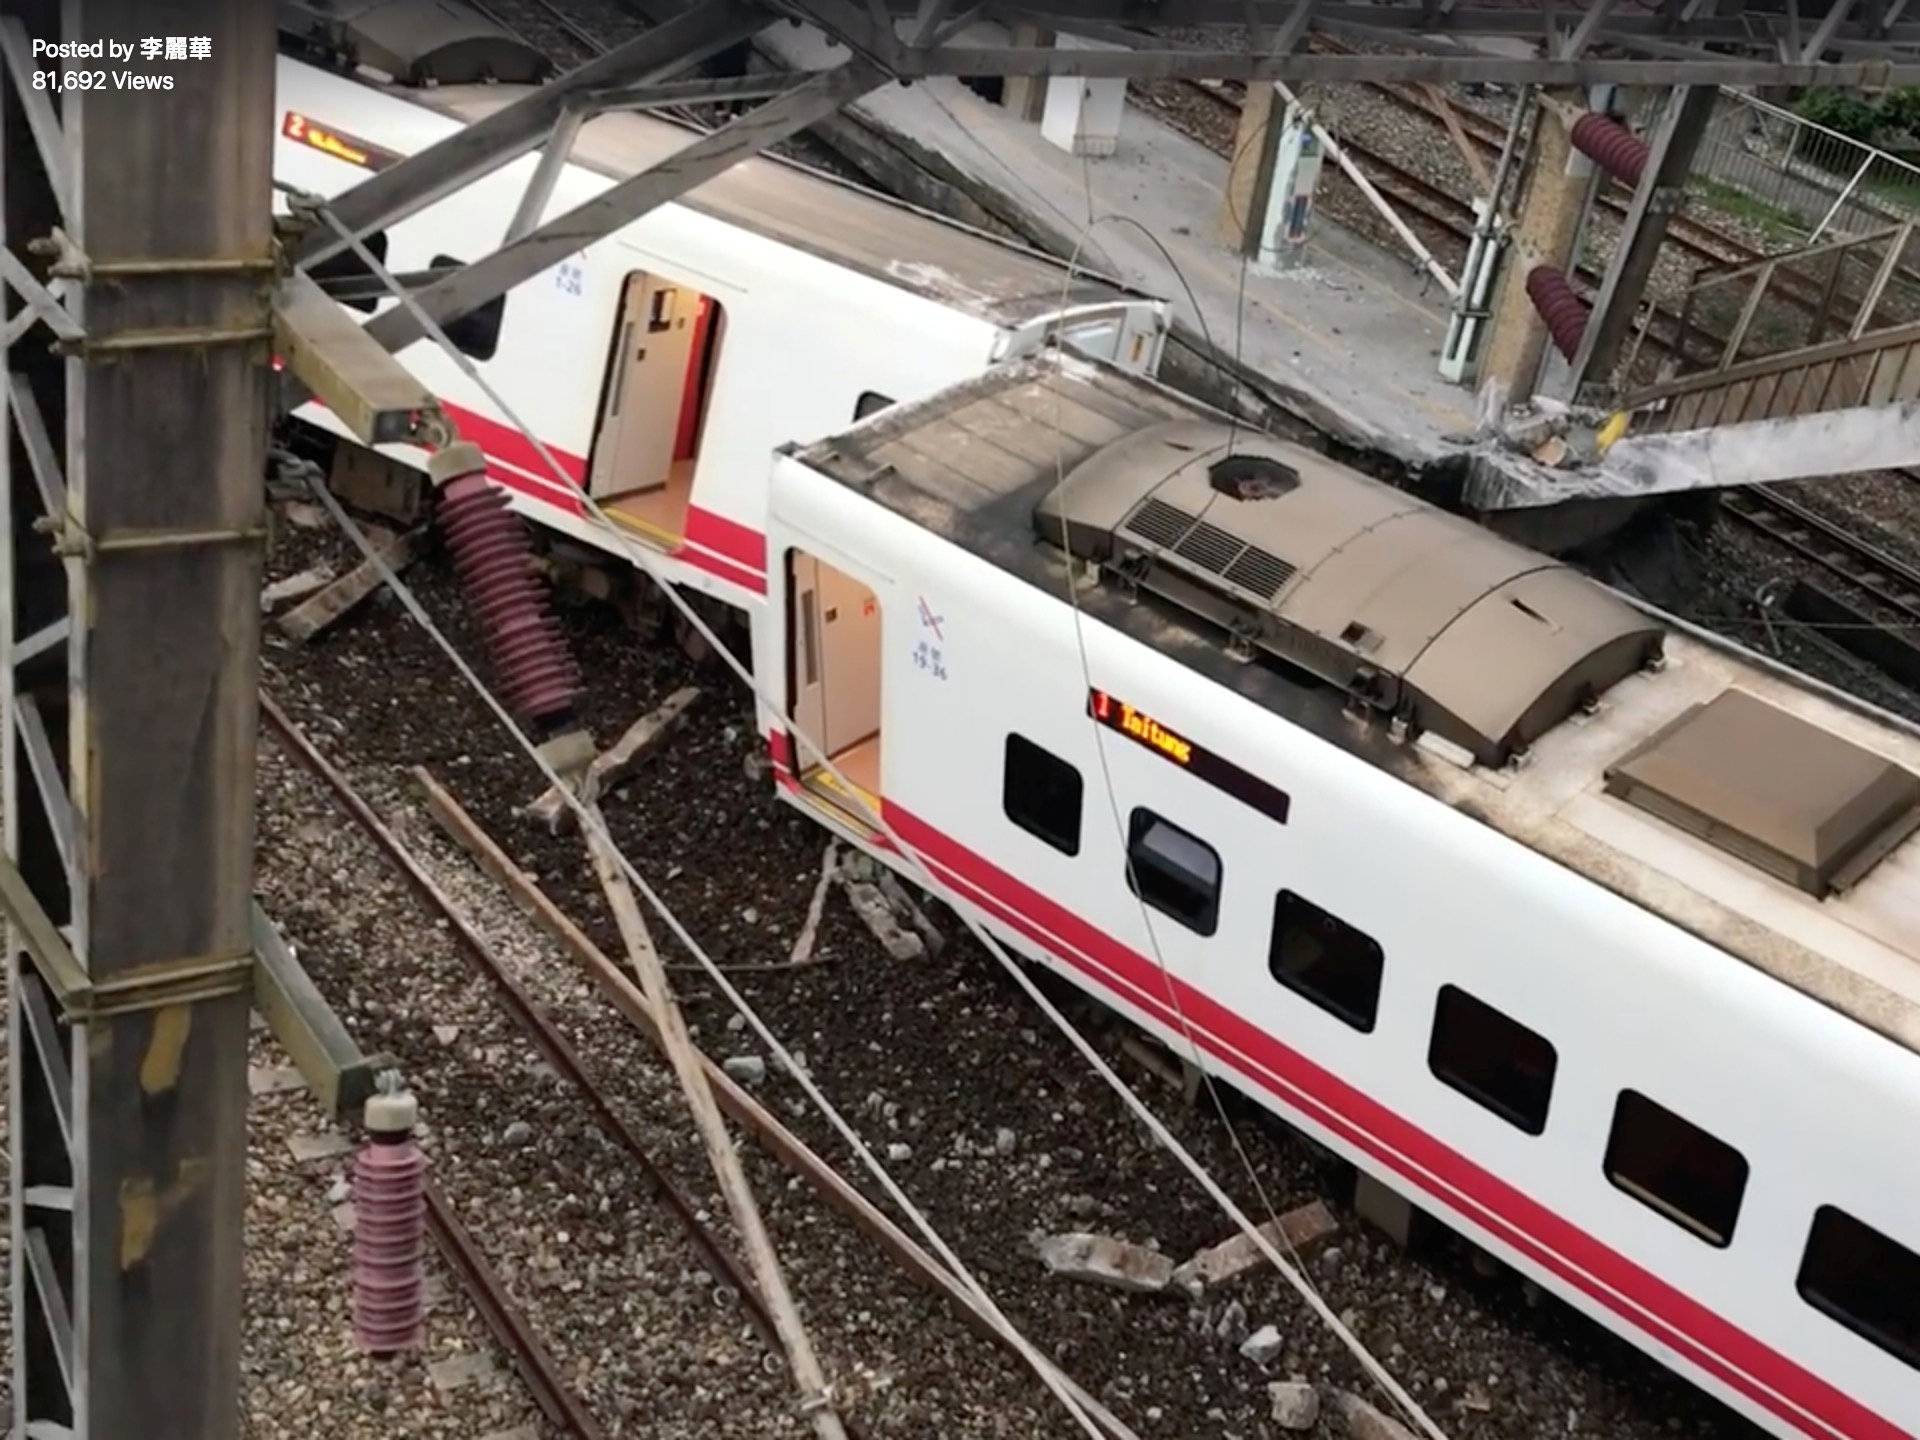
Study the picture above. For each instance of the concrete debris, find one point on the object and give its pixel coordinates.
(908, 909)
(1296, 1404)
(1363, 1422)
(898, 1151)
(295, 587)
(446, 1034)
(803, 943)
(338, 1192)
(1004, 1140)
(747, 1069)
(518, 1133)
(1103, 1260)
(872, 908)
(343, 1216)
(1231, 1327)
(1262, 1345)
(1298, 1232)
(304, 515)
(305, 1148)
(458, 1370)
(318, 611)
(617, 762)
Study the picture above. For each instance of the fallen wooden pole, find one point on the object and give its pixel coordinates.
(816, 1397)
(780, 1142)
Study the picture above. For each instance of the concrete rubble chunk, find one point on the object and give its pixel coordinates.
(747, 1069)
(305, 1148)
(1262, 1345)
(1103, 1260)
(1363, 1422)
(1299, 1232)
(458, 1370)
(874, 911)
(273, 1079)
(1296, 1404)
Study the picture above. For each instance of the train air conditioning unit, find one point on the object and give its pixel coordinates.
(1428, 622)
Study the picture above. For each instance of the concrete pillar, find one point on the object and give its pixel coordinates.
(1243, 205)
(1026, 95)
(1082, 116)
(1549, 220)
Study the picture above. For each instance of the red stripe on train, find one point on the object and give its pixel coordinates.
(1639, 1297)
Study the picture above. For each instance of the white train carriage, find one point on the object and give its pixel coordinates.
(663, 364)
(1599, 942)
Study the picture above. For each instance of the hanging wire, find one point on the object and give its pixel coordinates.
(649, 564)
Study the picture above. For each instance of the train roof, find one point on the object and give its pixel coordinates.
(876, 235)
(1770, 816)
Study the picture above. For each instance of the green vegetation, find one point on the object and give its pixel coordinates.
(1853, 115)
(1778, 225)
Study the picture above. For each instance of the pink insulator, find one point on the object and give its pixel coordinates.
(1564, 311)
(389, 1229)
(1610, 145)
(494, 558)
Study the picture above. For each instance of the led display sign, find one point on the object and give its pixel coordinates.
(336, 143)
(1143, 729)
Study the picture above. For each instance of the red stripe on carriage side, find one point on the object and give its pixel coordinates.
(735, 574)
(1639, 1297)
(739, 543)
(505, 442)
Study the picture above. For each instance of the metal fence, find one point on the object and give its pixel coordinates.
(1798, 182)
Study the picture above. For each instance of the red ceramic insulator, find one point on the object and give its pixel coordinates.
(1611, 146)
(389, 1230)
(1564, 312)
(494, 558)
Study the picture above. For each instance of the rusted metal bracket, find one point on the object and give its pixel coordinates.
(144, 987)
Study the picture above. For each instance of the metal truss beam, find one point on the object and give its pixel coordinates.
(739, 139)
(510, 132)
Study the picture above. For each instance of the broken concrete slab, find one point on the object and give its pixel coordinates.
(1262, 1345)
(1299, 1232)
(1363, 1422)
(273, 1079)
(618, 761)
(307, 1148)
(1104, 1260)
(459, 1370)
(294, 587)
(1296, 1404)
(316, 613)
(908, 909)
(871, 906)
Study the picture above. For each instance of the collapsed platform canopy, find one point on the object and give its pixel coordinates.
(1415, 612)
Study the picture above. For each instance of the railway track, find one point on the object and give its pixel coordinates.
(1867, 567)
(550, 1388)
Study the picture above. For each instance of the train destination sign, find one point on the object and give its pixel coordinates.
(337, 143)
(1143, 729)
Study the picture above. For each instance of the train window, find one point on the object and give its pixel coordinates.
(1492, 1058)
(1174, 872)
(1675, 1167)
(477, 333)
(1869, 1283)
(1041, 794)
(871, 402)
(1325, 959)
(348, 279)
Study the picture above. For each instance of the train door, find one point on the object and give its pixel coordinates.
(834, 642)
(653, 405)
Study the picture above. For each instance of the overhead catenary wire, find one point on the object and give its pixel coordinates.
(593, 825)
(648, 563)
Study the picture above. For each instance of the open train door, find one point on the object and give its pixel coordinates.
(834, 690)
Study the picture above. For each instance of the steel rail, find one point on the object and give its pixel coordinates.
(1888, 579)
(557, 1400)
(528, 1012)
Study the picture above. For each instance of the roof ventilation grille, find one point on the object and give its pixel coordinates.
(1159, 523)
(1259, 571)
(1210, 547)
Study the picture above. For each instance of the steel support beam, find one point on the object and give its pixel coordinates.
(145, 440)
(739, 139)
(1661, 191)
(513, 130)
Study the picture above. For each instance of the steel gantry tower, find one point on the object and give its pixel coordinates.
(137, 254)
